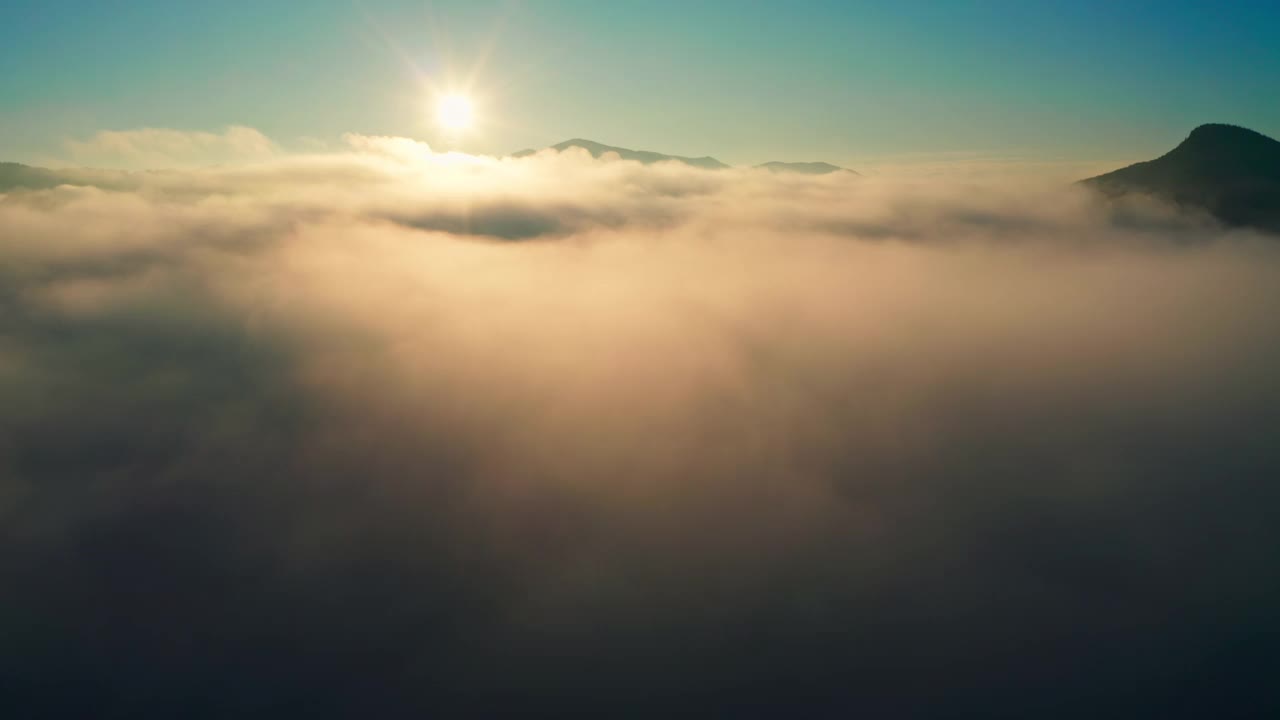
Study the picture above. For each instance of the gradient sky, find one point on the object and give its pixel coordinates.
(843, 81)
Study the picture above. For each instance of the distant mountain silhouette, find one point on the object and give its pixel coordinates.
(643, 156)
(804, 168)
(649, 157)
(1229, 171)
(16, 175)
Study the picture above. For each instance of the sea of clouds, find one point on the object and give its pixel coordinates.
(381, 431)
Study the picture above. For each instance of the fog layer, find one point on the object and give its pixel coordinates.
(389, 432)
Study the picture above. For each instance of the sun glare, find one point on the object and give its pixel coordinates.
(454, 112)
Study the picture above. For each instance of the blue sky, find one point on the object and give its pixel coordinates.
(745, 81)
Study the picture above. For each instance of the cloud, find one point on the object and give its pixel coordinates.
(160, 147)
(386, 431)
(987, 167)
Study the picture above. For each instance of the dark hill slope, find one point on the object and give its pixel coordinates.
(1231, 172)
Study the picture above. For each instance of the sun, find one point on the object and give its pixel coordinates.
(455, 112)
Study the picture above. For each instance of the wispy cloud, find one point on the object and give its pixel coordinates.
(160, 147)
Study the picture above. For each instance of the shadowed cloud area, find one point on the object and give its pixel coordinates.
(315, 436)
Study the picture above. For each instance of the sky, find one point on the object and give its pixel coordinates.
(847, 82)
(321, 418)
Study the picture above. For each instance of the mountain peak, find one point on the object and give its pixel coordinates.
(647, 157)
(804, 168)
(1230, 171)
(1227, 141)
(1216, 132)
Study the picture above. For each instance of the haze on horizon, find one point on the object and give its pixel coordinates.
(317, 399)
(855, 84)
